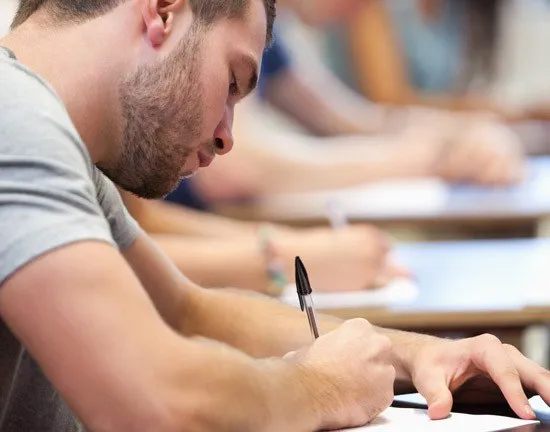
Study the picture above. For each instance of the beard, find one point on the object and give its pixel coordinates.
(163, 118)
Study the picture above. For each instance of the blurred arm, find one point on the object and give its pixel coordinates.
(322, 104)
(166, 218)
(257, 166)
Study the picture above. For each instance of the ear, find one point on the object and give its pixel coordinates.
(158, 16)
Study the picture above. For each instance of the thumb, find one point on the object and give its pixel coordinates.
(437, 395)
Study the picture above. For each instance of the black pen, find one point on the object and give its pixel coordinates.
(304, 296)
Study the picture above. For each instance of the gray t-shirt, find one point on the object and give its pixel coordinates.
(51, 195)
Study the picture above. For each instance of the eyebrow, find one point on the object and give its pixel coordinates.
(252, 67)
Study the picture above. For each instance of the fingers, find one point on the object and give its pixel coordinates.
(396, 270)
(389, 272)
(434, 388)
(489, 355)
(532, 375)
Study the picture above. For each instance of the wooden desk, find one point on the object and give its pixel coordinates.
(422, 203)
(471, 287)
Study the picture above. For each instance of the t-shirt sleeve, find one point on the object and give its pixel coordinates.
(48, 198)
(124, 228)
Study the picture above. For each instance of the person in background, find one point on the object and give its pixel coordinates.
(434, 53)
(477, 147)
(216, 251)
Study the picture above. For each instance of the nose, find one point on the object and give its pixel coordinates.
(223, 135)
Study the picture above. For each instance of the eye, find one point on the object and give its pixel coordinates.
(233, 86)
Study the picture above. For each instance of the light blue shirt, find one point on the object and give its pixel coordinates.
(433, 51)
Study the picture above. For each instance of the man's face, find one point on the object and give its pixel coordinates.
(178, 112)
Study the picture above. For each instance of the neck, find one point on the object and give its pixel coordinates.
(81, 65)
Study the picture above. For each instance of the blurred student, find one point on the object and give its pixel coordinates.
(437, 53)
(475, 148)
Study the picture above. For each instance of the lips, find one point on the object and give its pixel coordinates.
(205, 160)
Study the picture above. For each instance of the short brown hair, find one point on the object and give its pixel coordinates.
(206, 11)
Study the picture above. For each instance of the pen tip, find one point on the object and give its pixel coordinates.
(302, 280)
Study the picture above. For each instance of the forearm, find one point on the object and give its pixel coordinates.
(273, 329)
(256, 324)
(330, 163)
(338, 112)
(222, 389)
(166, 218)
(218, 262)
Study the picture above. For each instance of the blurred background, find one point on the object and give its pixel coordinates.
(400, 147)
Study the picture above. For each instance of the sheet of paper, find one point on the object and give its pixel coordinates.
(414, 419)
(417, 196)
(537, 292)
(541, 409)
(397, 292)
(539, 406)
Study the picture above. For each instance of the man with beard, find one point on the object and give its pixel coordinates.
(142, 92)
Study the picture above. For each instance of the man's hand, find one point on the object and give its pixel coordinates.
(351, 259)
(475, 370)
(353, 377)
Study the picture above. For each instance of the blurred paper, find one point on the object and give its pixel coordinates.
(415, 196)
(538, 290)
(414, 419)
(398, 291)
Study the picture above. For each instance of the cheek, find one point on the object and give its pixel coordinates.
(215, 85)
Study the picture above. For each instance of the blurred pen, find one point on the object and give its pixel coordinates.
(336, 215)
(304, 296)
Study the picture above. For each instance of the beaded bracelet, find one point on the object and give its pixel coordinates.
(275, 268)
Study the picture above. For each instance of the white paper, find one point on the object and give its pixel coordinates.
(397, 292)
(538, 287)
(414, 419)
(539, 406)
(416, 196)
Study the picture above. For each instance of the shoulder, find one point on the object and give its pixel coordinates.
(34, 122)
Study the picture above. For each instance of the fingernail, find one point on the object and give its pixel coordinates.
(529, 411)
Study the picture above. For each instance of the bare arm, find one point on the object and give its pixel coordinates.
(332, 163)
(255, 324)
(98, 338)
(322, 104)
(163, 217)
(357, 255)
